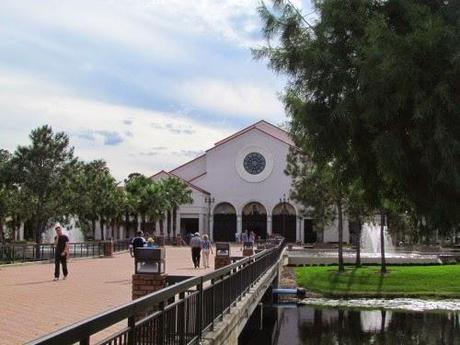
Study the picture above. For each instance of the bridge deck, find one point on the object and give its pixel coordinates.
(33, 305)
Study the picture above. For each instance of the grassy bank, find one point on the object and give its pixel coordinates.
(400, 281)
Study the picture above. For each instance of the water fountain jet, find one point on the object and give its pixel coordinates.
(370, 239)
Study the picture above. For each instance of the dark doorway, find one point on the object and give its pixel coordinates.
(188, 226)
(224, 227)
(310, 235)
(284, 221)
(285, 225)
(255, 219)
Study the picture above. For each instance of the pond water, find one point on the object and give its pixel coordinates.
(312, 325)
(329, 326)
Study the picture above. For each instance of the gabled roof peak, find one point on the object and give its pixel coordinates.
(191, 185)
(264, 126)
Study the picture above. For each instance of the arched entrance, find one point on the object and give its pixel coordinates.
(224, 228)
(255, 219)
(284, 221)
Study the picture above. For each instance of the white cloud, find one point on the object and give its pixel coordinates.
(118, 22)
(21, 96)
(239, 99)
(83, 47)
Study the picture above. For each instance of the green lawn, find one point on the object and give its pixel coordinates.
(400, 281)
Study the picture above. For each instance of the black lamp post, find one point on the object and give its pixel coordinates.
(209, 200)
(283, 202)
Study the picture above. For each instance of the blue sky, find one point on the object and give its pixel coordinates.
(143, 84)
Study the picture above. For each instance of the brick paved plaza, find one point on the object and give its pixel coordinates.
(33, 305)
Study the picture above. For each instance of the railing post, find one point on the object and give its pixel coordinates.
(132, 330)
(241, 282)
(222, 282)
(200, 309)
(84, 341)
(162, 333)
(213, 304)
(184, 319)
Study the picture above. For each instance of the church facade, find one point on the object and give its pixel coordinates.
(239, 184)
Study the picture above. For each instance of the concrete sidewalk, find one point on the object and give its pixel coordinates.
(32, 304)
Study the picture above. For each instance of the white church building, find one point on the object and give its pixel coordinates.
(239, 184)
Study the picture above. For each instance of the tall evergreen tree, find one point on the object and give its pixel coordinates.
(377, 81)
(42, 169)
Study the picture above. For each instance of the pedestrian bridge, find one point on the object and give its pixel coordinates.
(210, 309)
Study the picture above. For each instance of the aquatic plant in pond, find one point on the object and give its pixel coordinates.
(407, 304)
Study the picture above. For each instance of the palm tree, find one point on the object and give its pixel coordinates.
(155, 202)
(135, 186)
(177, 193)
(115, 211)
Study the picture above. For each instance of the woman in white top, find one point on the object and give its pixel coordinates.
(206, 247)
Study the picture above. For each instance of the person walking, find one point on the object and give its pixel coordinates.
(206, 248)
(61, 253)
(244, 238)
(195, 243)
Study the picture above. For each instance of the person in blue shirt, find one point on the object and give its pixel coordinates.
(138, 241)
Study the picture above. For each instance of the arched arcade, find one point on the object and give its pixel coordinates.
(284, 221)
(224, 226)
(254, 218)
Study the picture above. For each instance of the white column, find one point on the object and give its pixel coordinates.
(239, 224)
(21, 232)
(171, 218)
(211, 230)
(201, 227)
(297, 223)
(302, 230)
(157, 228)
(138, 223)
(178, 222)
(269, 225)
(211, 226)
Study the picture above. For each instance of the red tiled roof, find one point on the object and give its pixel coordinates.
(186, 163)
(264, 127)
(191, 185)
(194, 178)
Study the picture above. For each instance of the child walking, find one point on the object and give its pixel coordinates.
(206, 248)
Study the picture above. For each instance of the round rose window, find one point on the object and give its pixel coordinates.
(254, 163)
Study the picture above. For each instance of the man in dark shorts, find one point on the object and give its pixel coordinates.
(195, 243)
(61, 243)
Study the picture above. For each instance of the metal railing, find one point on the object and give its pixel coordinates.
(184, 311)
(18, 252)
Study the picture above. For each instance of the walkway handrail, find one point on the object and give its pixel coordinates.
(192, 293)
(24, 252)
